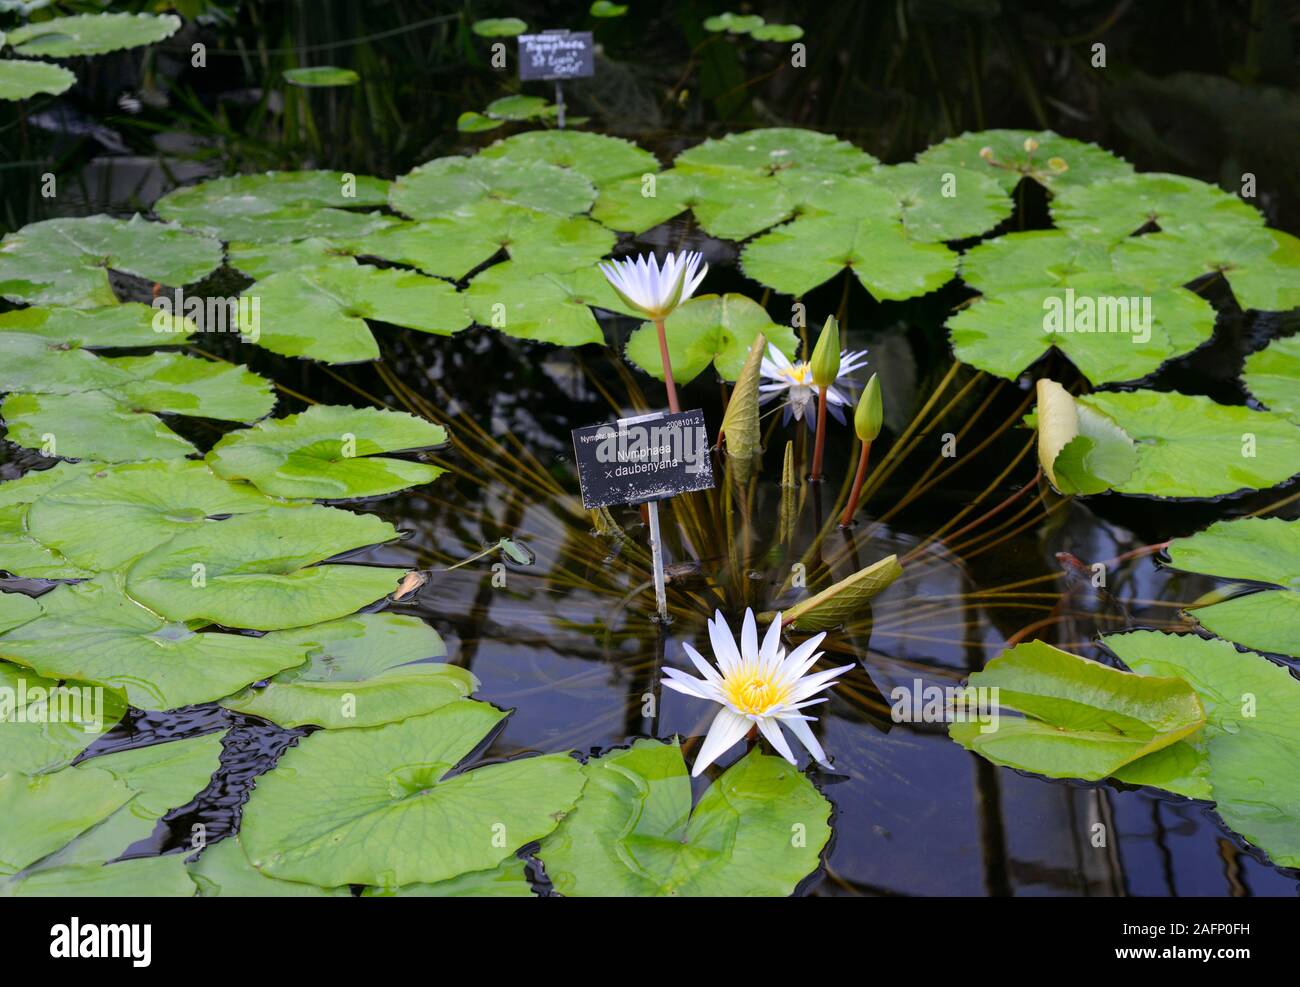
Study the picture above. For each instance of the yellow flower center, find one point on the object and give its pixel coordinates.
(800, 373)
(753, 692)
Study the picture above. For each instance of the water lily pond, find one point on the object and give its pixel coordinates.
(993, 587)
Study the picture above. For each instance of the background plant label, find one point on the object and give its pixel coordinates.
(556, 55)
(649, 457)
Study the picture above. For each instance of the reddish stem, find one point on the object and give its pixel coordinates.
(673, 406)
(819, 448)
(847, 518)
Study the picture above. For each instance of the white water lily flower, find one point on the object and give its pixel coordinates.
(793, 380)
(756, 686)
(643, 284)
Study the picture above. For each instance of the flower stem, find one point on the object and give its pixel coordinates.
(673, 406)
(847, 518)
(819, 449)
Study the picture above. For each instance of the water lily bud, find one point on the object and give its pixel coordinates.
(870, 414)
(1031, 145)
(1057, 164)
(825, 362)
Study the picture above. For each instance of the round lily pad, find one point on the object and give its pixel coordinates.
(499, 27)
(125, 325)
(90, 425)
(550, 307)
(1055, 162)
(729, 203)
(767, 151)
(634, 832)
(31, 740)
(1115, 208)
(1032, 259)
(376, 806)
(359, 673)
(1272, 375)
(328, 452)
(321, 77)
(91, 34)
(936, 205)
(22, 79)
(445, 184)
(597, 157)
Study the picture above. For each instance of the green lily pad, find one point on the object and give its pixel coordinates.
(17, 609)
(550, 307)
(91, 34)
(733, 23)
(604, 8)
(795, 258)
(173, 383)
(1190, 446)
(499, 27)
(91, 425)
(597, 157)
(1032, 259)
(1111, 210)
(41, 813)
(443, 185)
(321, 76)
(125, 325)
(1262, 266)
(31, 363)
(259, 571)
(1110, 329)
(22, 79)
(1084, 163)
(23, 555)
(757, 831)
(359, 674)
(48, 723)
(507, 880)
(93, 632)
(141, 877)
(35, 483)
(66, 261)
(105, 519)
(708, 329)
(770, 150)
(279, 205)
(517, 107)
(729, 203)
(320, 312)
(1252, 736)
(376, 806)
(261, 260)
(1255, 550)
(776, 32)
(328, 452)
(1081, 719)
(934, 208)
(472, 122)
(223, 871)
(1272, 375)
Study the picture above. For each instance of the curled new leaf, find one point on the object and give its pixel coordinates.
(838, 604)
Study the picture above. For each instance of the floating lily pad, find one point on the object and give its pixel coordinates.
(321, 76)
(445, 184)
(106, 518)
(1081, 719)
(261, 260)
(125, 325)
(1272, 375)
(716, 329)
(776, 32)
(376, 806)
(22, 79)
(359, 674)
(597, 157)
(279, 205)
(35, 483)
(605, 8)
(1113, 209)
(223, 871)
(175, 384)
(141, 877)
(259, 570)
(1110, 329)
(47, 723)
(91, 425)
(795, 258)
(23, 555)
(550, 307)
(730, 203)
(328, 452)
(499, 27)
(935, 207)
(1262, 266)
(508, 880)
(733, 23)
(1011, 161)
(1254, 550)
(1081, 450)
(16, 609)
(1252, 738)
(767, 151)
(634, 832)
(93, 632)
(66, 261)
(320, 312)
(31, 363)
(91, 34)
(517, 107)
(41, 813)
(1032, 259)
(472, 122)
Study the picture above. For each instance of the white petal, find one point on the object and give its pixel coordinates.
(749, 637)
(681, 682)
(770, 653)
(725, 652)
(816, 683)
(708, 671)
(769, 729)
(726, 731)
(803, 733)
(800, 654)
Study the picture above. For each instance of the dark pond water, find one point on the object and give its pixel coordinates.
(569, 643)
